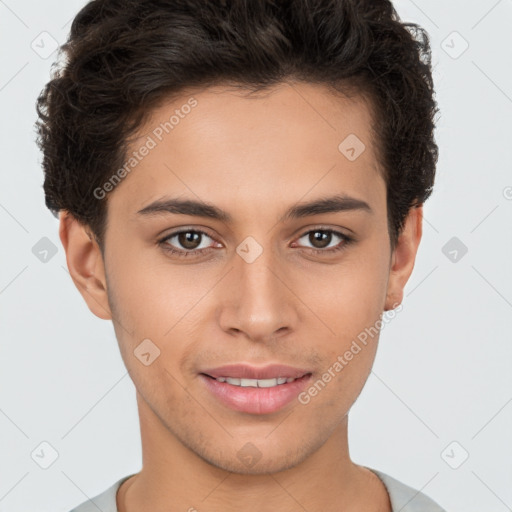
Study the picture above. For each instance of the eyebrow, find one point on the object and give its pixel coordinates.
(338, 203)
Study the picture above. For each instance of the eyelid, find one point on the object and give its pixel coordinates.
(186, 230)
(335, 230)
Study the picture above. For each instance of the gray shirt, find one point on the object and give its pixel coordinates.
(402, 497)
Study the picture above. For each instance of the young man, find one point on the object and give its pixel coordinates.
(240, 187)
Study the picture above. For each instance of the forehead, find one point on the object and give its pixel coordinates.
(225, 142)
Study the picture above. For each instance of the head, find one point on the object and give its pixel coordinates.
(298, 127)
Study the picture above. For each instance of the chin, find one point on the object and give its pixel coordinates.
(251, 460)
(262, 467)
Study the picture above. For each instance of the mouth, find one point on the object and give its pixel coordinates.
(256, 383)
(255, 396)
(248, 372)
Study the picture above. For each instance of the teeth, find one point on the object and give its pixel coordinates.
(268, 383)
(246, 383)
(255, 383)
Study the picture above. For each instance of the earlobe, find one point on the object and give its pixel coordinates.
(85, 264)
(403, 257)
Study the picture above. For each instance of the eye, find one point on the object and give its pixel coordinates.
(188, 242)
(321, 239)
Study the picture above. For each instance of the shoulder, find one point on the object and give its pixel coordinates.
(406, 499)
(106, 501)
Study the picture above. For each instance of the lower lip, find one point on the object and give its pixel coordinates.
(256, 400)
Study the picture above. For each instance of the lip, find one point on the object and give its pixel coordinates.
(245, 371)
(256, 400)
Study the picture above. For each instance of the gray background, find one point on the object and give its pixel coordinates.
(441, 387)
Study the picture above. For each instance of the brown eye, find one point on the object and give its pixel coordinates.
(320, 239)
(189, 239)
(186, 242)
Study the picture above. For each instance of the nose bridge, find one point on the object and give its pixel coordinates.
(260, 303)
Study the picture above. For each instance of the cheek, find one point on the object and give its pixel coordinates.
(162, 303)
(351, 296)
(351, 306)
(152, 294)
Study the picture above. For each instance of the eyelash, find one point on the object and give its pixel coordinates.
(346, 240)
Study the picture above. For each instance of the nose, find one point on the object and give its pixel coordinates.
(257, 299)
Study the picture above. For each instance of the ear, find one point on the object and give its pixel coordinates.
(85, 264)
(402, 259)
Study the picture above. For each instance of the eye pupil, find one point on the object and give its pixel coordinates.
(323, 237)
(189, 239)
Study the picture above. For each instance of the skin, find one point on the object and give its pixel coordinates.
(253, 157)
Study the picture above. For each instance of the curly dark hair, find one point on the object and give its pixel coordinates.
(125, 57)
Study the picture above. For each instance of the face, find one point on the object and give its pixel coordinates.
(258, 277)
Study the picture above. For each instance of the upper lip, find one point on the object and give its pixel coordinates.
(245, 371)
